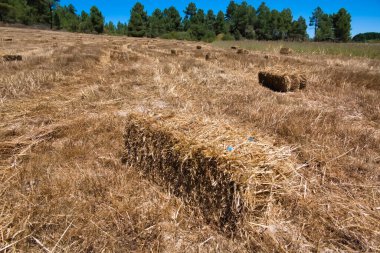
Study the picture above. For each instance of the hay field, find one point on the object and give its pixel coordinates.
(63, 113)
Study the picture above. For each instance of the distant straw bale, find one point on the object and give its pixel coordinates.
(176, 52)
(10, 57)
(198, 54)
(242, 51)
(210, 56)
(282, 82)
(117, 55)
(226, 184)
(286, 50)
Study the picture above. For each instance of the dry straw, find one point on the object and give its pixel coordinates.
(227, 174)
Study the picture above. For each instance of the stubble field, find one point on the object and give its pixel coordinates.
(63, 109)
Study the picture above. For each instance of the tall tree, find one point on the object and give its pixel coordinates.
(231, 8)
(121, 29)
(263, 22)
(172, 19)
(137, 26)
(274, 25)
(97, 19)
(240, 19)
(342, 25)
(85, 24)
(210, 20)
(156, 25)
(190, 12)
(315, 19)
(198, 27)
(325, 28)
(220, 24)
(298, 30)
(110, 28)
(52, 4)
(286, 19)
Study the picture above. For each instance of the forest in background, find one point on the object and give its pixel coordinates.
(239, 21)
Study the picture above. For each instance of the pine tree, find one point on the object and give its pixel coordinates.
(210, 20)
(97, 19)
(110, 28)
(263, 22)
(52, 4)
(325, 28)
(190, 12)
(298, 30)
(172, 19)
(56, 21)
(198, 28)
(137, 26)
(121, 29)
(85, 24)
(231, 8)
(342, 25)
(156, 25)
(315, 19)
(285, 25)
(220, 24)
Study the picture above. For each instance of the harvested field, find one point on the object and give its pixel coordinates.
(113, 144)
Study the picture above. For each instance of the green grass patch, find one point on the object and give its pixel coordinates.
(367, 50)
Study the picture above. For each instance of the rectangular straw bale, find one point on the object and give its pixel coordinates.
(189, 157)
(282, 82)
(11, 57)
(286, 50)
(117, 55)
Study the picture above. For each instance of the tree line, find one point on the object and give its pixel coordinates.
(239, 21)
(367, 37)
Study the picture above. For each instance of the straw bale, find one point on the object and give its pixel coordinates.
(176, 52)
(209, 56)
(286, 50)
(191, 158)
(10, 57)
(117, 55)
(199, 54)
(242, 51)
(282, 82)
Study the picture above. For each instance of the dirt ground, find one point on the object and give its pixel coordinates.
(63, 108)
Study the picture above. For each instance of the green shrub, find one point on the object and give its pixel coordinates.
(227, 37)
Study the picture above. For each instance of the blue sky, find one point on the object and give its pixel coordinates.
(365, 13)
